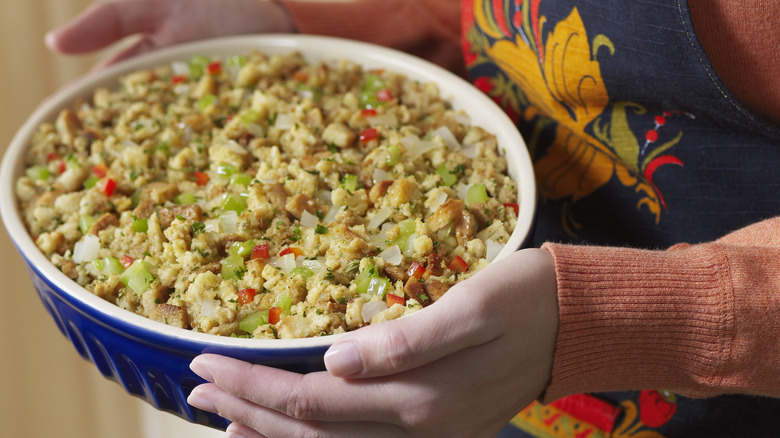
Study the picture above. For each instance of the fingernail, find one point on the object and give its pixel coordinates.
(201, 370)
(343, 360)
(200, 402)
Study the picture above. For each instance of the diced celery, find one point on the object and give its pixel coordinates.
(233, 267)
(85, 223)
(476, 193)
(206, 101)
(108, 265)
(36, 173)
(226, 169)
(242, 249)
(367, 96)
(373, 82)
(137, 277)
(313, 93)
(254, 320)
(113, 266)
(349, 182)
(284, 301)
(393, 154)
(378, 286)
(99, 264)
(249, 116)
(237, 60)
(140, 225)
(91, 181)
(198, 65)
(185, 198)
(233, 203)
(240, 178)
(447, 177)
(303, 271)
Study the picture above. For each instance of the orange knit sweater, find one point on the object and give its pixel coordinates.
(699, 320)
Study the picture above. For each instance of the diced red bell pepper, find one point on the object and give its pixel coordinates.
(201, 178)
(109, 185)
(415, 270)
(458, 264)
(274, 314)
(368, 134)
(178, 79)
(291, 250)
(368, 112)
(384, 95)
(126, 261)
(61, 165)
(214, 68)
(300, 76)
(246, 296)
(394, 299)
(260, 251)
(100, 170)
(514, 207)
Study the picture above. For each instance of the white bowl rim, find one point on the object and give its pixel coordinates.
(313, 47)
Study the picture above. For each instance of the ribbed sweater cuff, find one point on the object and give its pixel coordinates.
(638, 319)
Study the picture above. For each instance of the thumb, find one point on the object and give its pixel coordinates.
(392, 347)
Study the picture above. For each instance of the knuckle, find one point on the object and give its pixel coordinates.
(397, 349)
(301, 406)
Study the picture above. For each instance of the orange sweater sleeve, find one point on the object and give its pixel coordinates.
(426, 28)
(700, 320)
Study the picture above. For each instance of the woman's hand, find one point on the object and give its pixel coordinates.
(461, 367)
(162, 23)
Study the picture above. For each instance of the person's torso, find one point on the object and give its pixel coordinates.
(635, 141)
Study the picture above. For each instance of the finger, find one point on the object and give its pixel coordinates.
(238, 430)
(313, 396)
(271, 423)
(142, 45)
(464, 317)
(103, 24)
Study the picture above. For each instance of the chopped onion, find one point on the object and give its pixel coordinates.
(416, 147)
(255, 129)
(371, 309)
(379, 218)
(86, 249)
(470, 151)
(409, 248)
(286, 262)
(235, 147)
(462, 118)
(209, 307)
(392, 255)
(463, 190)
(448, 137)
(306, 93)
(389, 120)
(180, 68)
(212, 225)
(324, 196)
(380, 238)
(228, 221)
(284, 121)
(493, 248)
(315, 265)
(330, 216)
(381, 175)
(308, 220)
(437, 201)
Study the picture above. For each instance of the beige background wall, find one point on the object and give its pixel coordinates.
(46, 388)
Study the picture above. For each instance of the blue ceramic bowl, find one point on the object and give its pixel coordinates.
(150, 359)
